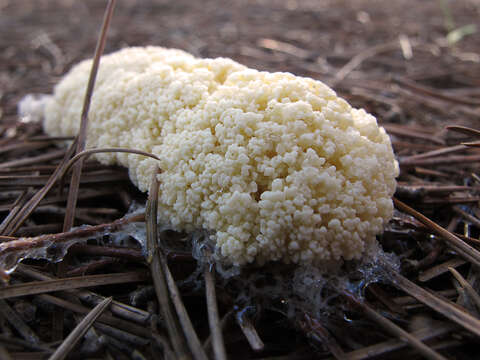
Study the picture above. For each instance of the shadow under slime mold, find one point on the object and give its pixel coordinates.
(290, 289)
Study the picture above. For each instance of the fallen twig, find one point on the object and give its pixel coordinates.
(213, 318)
(80, 330)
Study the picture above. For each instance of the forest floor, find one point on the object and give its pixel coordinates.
(415, 65)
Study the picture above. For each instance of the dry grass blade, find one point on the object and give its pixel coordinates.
(24, 344)
(250, 332)
(441, 306)
(82, 135)
(430, 172)
(452, 200)
(21, 147)
(471, 218)
(52, 155)
(388, 346)
(468, 239)
(16, 207)
(442, 160)
(25, 181)
(154, 258)
(395, 329)
(16, 321)
(284, 47)
(223, 323)
(472, 144)
(50, 138)
(411, 133)
(440, 269)
(464, 130)
(121, 335)
(117, 252)
(213, 318)
(190, 334)
(358, 59)
(468, 288)
(410, 300)
(463, 249)
(163, 343)
(105, 318)
(176, 338)
(422, 190)
(30, 206)
(80, 330)
(431, 92)
(315, 330)
(158, 257)
(443, 151)
(40, 287)
(385, 299)
(89, 152)
(36, 230)
(117, 308)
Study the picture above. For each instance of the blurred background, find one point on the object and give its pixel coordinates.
(430, 40)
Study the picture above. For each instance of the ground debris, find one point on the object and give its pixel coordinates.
(416, 80)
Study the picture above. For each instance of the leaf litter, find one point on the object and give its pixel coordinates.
(422, 288)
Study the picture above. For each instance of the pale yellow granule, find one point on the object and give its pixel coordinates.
(276, 166)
